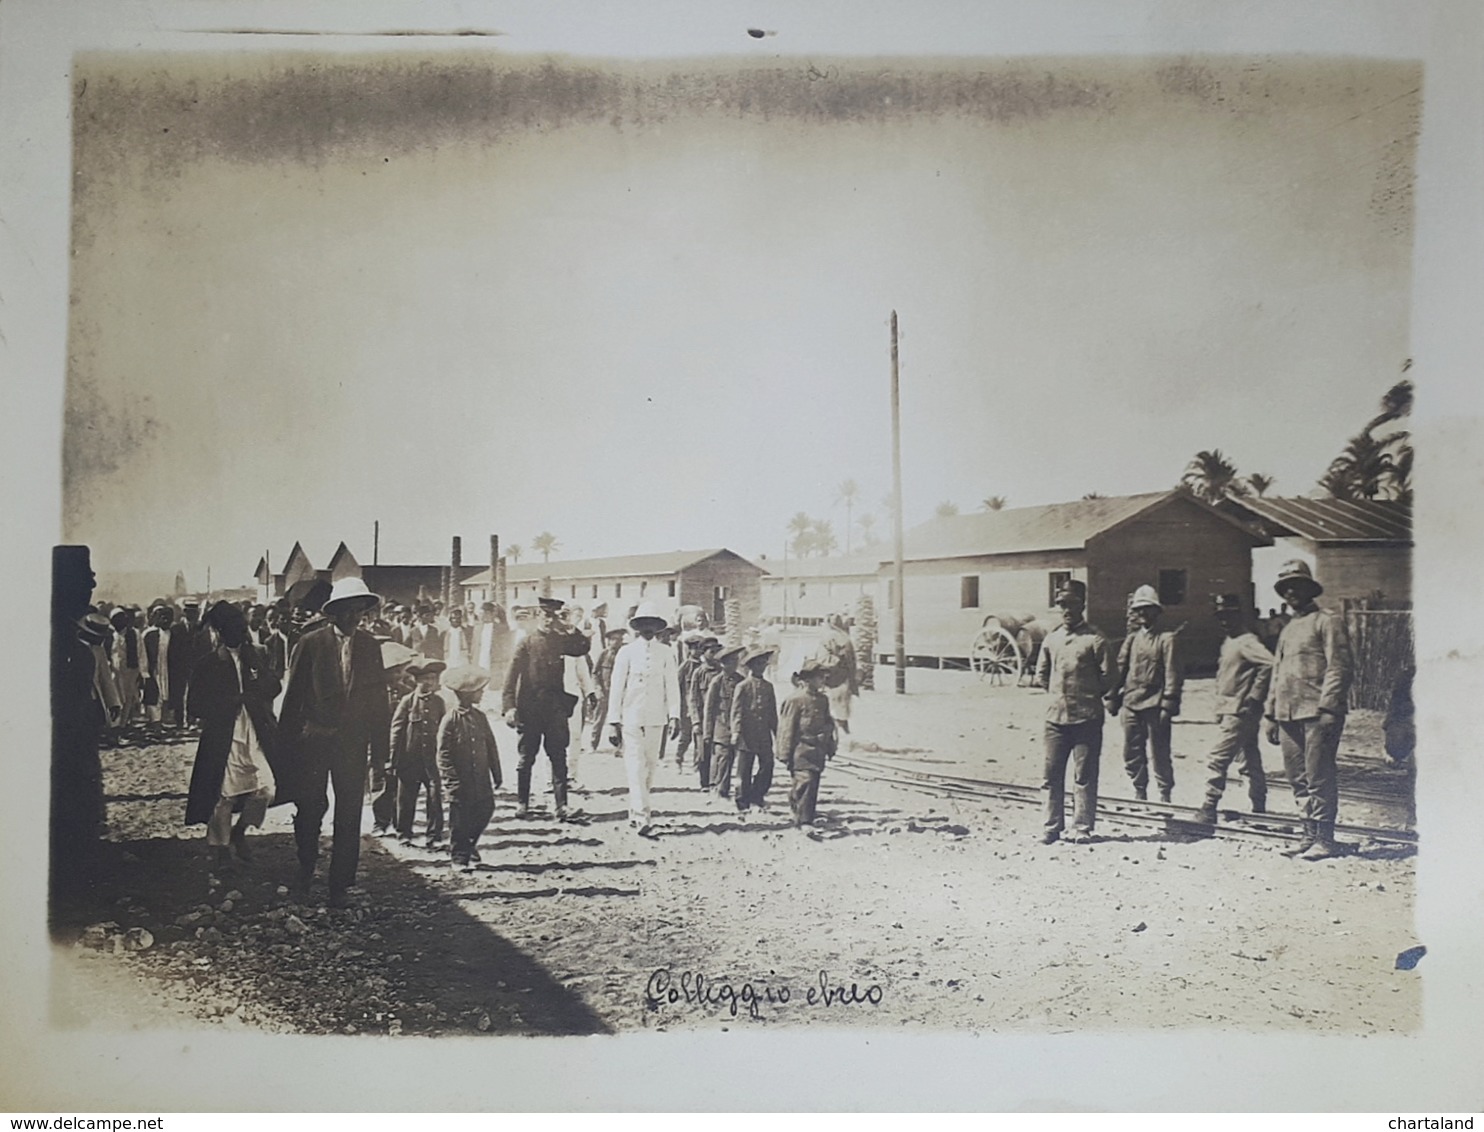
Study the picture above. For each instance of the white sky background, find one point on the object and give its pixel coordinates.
(652, 335)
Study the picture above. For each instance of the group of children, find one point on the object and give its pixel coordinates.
(731, 721)
(443, 749)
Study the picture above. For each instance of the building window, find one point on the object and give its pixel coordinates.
(968, 591)
(595, 591)
(618, 589)
(719, 604)
(801, 589)
(1172, 585)
(671, 587)
(1057, 580)
(574, 590)
(642, 587)
(891, 593)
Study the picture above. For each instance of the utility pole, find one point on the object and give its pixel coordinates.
(376, 543)
(896, 511)
(494, 570)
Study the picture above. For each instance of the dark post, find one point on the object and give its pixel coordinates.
(376, 543)
(896, 509)
(495, 570)
(456, 559)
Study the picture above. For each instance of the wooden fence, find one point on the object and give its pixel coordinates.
(1382, 645)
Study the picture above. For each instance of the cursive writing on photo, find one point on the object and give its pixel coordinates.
(692, 988)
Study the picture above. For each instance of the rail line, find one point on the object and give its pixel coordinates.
(1234, 824)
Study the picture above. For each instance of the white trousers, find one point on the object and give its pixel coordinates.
(641, 754)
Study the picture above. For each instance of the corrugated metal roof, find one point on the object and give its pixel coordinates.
(1018, 530)
(1334, 520)
(624, 566)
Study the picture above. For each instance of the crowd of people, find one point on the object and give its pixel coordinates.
(332, 690)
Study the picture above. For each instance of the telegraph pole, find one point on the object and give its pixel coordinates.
(896, 512)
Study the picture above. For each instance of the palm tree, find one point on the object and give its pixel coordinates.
(1212, 477)
(545, 544)
(1372, 467)
(514, 551)
(867, 524)
(946, 510)
(1258, 483)
(847, 493)
(1094, 495)
(825, 542)
(801, 527)
(994, 503)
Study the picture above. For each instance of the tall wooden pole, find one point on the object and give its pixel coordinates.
(455, 595)
(494, 569)
(376, 543)
(896, 512)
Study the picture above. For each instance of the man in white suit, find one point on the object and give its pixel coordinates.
(643, 704)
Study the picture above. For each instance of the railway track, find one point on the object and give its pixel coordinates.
(1234, 824)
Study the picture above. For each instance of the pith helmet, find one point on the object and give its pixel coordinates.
(1297, 572)
(1145, 598)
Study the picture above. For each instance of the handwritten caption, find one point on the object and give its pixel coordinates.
(691, 988)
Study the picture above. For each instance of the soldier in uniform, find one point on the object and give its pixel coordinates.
(536, 704)
(1306, 705)
(1150, 683)
(1076, 665)
(1243, 672)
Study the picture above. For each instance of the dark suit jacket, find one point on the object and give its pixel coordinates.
(318, 705)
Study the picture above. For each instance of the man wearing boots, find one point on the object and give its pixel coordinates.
(1076, 666)
(643, 706)
(537, 705)
(1306, 705)
(1150, 682)
(1243, 674)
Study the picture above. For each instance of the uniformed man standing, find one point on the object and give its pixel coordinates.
(1150, 682)
(1243, 673)
(537, 705)
(643, 706)
(1307, 703)
(1076, 666)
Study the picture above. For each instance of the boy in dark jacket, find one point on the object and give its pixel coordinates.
(806, 739)
(754, 724)
(717, 719)
(415, 751)
(469, 763)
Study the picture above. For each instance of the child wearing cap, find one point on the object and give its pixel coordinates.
(415, 726)
(717, 719)
(754, 724)
(468, 762)
(806, 739)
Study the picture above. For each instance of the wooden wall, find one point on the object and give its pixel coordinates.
(937, 625)
(1216, 556)
(742, 579)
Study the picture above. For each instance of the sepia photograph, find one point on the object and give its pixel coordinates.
(746, 542)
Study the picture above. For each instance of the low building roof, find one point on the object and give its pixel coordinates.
(623, 566)
(841, 566)
(1328, 521)
(1053, 526)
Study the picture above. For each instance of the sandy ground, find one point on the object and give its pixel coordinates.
(903, 911)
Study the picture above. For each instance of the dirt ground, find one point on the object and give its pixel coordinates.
(904, 910)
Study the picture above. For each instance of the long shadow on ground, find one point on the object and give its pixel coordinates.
(403, 958)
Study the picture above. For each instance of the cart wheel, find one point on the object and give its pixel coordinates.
(995, 654)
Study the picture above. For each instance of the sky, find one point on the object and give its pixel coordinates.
(645, 306)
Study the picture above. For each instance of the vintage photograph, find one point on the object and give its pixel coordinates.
(561, 546)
